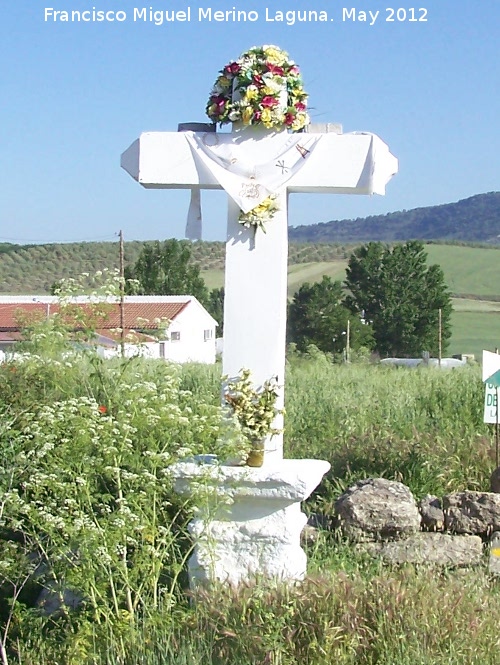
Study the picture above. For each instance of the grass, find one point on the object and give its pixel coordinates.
(468, 270)
(363, 616)
(475, 330)
(313, 272)
(422, 427)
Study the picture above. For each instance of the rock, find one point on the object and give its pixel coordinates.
(433, 549)
(472, 512)
(431, 513)
(495, 481)
(377, 508)
(494, 560)
(309, 535)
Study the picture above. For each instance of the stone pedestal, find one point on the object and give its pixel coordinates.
(249, 520)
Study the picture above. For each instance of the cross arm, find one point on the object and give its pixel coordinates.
(342, 164)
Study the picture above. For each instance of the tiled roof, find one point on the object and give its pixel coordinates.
(137, 315)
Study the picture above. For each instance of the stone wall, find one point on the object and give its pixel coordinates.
(382, 518)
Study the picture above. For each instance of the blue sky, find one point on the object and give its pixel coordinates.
(75, 95)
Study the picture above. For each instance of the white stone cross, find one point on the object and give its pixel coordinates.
(256, 530)
(256, 264)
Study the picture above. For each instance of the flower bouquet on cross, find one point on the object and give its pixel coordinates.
(252, 90)
(263, 87)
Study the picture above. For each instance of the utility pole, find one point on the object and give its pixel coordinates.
(348, 342)
(440, 326)
(122, 295)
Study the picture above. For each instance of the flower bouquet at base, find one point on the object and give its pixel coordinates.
(255, 411)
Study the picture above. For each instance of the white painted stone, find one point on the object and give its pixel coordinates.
(357, 163)
(259, 533)
(256, 264)
(249, 520)
(255, 307)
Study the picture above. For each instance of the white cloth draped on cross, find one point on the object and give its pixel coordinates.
(248, 182)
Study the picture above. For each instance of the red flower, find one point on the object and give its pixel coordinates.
(257, 80)
(294, 70)
(102, 409)
(269, 101)
(257, 115)
(232, 68)
(275, 69)
(289, 118)
(300, 106)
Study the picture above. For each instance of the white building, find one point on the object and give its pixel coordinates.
(176, 328)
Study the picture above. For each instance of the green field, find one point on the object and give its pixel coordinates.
(468, 270)
(474, 331)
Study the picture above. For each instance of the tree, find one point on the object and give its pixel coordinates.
(317, 316)
(400, 296)
(166, 269)
(215, 307)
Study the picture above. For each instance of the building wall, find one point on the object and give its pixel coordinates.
(191, 338)
(191, 346)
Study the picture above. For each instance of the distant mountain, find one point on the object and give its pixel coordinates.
(476, 219)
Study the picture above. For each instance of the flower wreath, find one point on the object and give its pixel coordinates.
(251, 90)
(248, 90)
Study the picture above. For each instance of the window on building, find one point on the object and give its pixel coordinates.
(208, 334)
(175, 336)
(162, 349)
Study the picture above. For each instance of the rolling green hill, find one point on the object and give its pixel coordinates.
(476, 219)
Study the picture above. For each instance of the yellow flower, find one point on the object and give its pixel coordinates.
(279, 117)
(266, 117)
(247, 115)
(300, 121)
(224, 82)
(275, 55)
(267, 90)
(262, 207)
(251, 93)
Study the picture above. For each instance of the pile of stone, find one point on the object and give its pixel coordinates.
(383, 518)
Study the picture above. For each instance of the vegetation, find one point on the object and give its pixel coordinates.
(94, 541)
(317, 316)
(84, 446)
(420, 426)
(404, 300)
(34, 268)
(215, 305)
(476, 219)
(165, 269)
